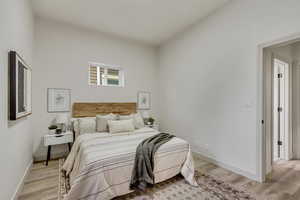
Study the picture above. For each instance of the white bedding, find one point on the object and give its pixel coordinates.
(100, 164)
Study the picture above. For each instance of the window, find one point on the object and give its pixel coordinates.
(105, 75)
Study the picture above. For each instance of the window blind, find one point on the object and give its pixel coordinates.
(93, 75)
(105, 76)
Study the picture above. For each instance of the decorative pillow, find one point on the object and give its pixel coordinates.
(117, 117)
(87, 125)
(138, 121)
(75, 125)
(101, 121)
(123, 117)
(119, 126)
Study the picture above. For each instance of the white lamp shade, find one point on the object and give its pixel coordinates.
(62, 118)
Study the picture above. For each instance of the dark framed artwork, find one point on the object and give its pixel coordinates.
(19, 87)
(144, 100)
(58, 100)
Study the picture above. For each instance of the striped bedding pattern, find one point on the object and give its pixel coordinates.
(100, 164)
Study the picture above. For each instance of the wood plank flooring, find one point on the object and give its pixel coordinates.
(42, 181)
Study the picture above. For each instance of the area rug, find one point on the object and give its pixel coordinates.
(177, 189)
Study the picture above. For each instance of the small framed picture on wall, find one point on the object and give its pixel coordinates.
(59, 100)
(144, 100)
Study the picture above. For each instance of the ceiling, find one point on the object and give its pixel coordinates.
(148, 21)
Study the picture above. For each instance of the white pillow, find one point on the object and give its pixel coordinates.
(138, 121)
(122, 117)
(118, 126)
(101, 121)
(75, 125)
(87, 125)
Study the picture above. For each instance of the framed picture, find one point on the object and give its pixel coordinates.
(144, 100)
(19, 87)
(59, 100)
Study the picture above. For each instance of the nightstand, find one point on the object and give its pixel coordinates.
(154, 126)
(55, 139)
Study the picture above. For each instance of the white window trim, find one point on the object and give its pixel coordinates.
(107, 66)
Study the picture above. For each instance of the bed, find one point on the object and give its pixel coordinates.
(99, 165)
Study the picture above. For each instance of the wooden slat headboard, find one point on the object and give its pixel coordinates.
(93, 109)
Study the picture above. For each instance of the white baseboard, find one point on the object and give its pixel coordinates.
(21, 183)
(228, 167)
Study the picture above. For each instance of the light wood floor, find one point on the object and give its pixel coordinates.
(42, 181)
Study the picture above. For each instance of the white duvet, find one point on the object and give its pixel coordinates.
(100, 164)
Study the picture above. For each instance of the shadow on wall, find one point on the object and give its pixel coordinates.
(11, 124)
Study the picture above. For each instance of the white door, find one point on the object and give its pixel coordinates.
(280, 111)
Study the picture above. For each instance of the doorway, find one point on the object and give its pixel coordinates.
(281, 105)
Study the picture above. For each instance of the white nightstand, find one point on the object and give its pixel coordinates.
(55, 139)
(154, 126)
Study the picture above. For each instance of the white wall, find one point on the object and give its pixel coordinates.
(210, 78)
(16, 22)
(62, 53)
(296, 99)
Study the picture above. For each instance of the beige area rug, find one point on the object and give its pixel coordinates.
(177, 189)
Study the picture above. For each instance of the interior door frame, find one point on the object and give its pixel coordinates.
(261, 103)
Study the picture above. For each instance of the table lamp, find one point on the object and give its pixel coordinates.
(62, 120)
